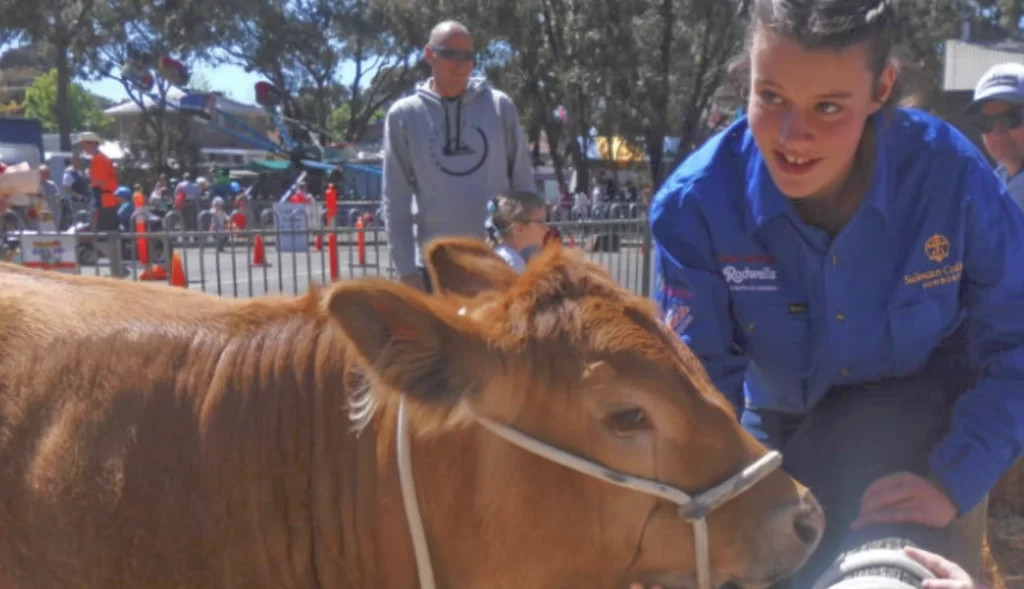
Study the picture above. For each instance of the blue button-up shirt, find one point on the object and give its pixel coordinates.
(780, 312)
(1014, 184)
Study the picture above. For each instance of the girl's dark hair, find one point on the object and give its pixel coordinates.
(837, 25)
(509, 209)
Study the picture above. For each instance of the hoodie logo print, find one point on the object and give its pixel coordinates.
(456, 157)
(456, 152)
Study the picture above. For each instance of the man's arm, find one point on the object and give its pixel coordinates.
(520, 164)
(396, 195)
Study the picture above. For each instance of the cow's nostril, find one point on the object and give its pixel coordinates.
(807, 526)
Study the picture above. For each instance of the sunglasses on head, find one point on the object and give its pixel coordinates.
(453, 54)
(1008, 120)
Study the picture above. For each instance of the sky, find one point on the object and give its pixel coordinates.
(232, 80)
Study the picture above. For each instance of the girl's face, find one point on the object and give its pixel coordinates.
(808, 108)
(532, 230)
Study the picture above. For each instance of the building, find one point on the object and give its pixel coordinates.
(210, 139)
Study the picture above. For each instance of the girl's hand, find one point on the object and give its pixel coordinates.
(950, 575)
(904, 497)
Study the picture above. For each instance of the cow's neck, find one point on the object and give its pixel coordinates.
(442, 465)
(361, 539)
(469, 511)
(369, 543)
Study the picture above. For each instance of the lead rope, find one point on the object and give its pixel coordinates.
(412, 507)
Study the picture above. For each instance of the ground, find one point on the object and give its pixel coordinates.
(1006, 532)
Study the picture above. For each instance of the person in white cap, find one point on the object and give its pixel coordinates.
(998, 112)
(103, 176)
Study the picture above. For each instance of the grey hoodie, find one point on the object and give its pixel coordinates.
(454, 155)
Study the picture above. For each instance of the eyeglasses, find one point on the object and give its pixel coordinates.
(453, 54)
(1009, 120)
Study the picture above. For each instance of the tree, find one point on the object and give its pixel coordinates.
(301, 45)
(926, 26)
(141, 32)
(67, 28)
(84, 112)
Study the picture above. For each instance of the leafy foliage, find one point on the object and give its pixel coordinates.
(645, 69)
(85, 113)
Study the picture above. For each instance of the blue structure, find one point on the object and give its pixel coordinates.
(363, 180)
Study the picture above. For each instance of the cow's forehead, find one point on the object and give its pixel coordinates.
(606, 323)
(565, 297)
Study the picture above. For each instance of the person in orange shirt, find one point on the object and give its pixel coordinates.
(103, 177)
(301, 195)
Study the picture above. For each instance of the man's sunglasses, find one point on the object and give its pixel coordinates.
(453, 54)
(1008, 120)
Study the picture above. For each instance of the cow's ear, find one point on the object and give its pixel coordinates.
(467, 267)
(414, 343)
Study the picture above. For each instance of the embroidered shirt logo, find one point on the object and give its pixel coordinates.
(937, 248)
(762, 279)
(678, 318)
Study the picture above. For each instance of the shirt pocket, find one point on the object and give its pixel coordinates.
(915, 329)
(776, 336)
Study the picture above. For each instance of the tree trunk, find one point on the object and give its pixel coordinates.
(63, 99)
(656, 136)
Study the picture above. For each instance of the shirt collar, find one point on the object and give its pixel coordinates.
(767, 202)
(878, 196)
(1004, 174)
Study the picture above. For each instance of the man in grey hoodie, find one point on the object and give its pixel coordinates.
(455, 144)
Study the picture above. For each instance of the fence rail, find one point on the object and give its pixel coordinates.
(276, 258)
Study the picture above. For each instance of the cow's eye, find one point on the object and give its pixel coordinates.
(627, 421)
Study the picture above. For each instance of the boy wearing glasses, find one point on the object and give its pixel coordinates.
(998, 111)
(455, 144)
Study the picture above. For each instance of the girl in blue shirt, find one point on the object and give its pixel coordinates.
(850, 273)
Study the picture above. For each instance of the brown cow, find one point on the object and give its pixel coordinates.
(156, 438)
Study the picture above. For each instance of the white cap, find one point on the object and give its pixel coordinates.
(1003, 82)
(88, 137)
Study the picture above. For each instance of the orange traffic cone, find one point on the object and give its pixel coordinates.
(259, 253)
(178, 271)
(154, 272)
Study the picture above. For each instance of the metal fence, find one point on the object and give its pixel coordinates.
(275, 257)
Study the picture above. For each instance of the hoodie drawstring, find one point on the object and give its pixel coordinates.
(448, 148)
(458, 122)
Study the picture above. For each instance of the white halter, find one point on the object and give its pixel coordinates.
(694, 509)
